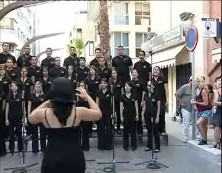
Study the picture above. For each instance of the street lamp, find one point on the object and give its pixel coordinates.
(186, 16)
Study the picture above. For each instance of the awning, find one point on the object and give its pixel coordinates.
(166, 58)
(216, 55)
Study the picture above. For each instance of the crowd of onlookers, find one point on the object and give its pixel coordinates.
(207, 108)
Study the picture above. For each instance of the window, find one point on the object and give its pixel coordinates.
(120, 39)
(8, 23)
(142, 14)
(140, 38)
(121, 14)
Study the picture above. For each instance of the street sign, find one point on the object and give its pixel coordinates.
(210, 27)
(191, 38)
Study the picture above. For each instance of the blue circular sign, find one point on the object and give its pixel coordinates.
(191, 38)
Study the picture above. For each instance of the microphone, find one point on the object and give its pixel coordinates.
(33, 79)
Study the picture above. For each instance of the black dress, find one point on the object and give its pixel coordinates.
(63, 153)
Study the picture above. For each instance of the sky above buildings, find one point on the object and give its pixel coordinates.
(58, 16)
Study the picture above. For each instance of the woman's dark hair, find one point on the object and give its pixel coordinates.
(62, 98)
(62, 111)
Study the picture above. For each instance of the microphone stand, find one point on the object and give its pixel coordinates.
(22, 168)
(152, 163)
(112, 168)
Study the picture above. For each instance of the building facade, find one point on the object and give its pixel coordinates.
(169, 49)
(129, 22)
(16, 28)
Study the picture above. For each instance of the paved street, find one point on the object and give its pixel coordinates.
(179, 157)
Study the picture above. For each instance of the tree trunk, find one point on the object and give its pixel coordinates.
(103, 30)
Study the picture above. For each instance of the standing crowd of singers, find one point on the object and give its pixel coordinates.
(24, 86)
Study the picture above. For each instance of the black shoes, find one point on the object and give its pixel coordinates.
(202, 142)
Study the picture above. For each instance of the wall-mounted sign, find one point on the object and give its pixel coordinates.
(210, 27)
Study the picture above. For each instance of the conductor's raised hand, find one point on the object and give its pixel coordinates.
(81, 92)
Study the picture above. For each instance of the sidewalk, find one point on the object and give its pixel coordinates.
(174, 129)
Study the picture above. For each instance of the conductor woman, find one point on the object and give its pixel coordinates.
(62, 119)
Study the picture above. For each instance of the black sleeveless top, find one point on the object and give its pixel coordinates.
(63, 153)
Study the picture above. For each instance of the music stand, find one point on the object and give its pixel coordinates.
(23, 167)
(152, 163)
(112, 168)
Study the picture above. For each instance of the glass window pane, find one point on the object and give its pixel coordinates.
(137, 52)
(115, 52)
(138, 20)
(138, 9)
(124, 8)
(117, 39)
(125, 39)
(146, 9)
(117, 20)
(145, 37)
(117, 8)
(126, 51)
(139, 39)
(125, 20)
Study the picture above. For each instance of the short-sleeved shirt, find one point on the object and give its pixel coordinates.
(82, 73)
(122, 65)
(15, 107)
(143, 68)
(93, 86)
(159, 87)
(48, 62)
(129, 109)
(4, 57)
(36, 100)
(137, 89)
(104, 73)
(24, 61)
(105, 101)
(185, 92)
(117, 89)
(5, 82)
(57, 72)
(13, 73)
(71, 61)
(25, 85)
(34, 73)
(151, 103)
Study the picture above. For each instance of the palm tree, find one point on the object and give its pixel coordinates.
(103, 30)
(79, 46)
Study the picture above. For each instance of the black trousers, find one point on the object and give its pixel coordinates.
(105, 133)
(129, 129)
(2, 141)
(117, 111)
(85, 129)
(162, 123)
(35, 141)
(151, 134)
(139, 122)
(15, 127)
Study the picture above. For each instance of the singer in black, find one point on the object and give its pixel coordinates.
(71, 75)
(82, 70)
(14, 114)
(46, 81)
(138, 91)
(36, 99)
(130, 115)
(4, 80)
(62, 119)
(117, 92)
(34, 71)
(85, 126)
(2, 123)
(11, 71)
(159, 87)
(151, 110)
(105, 125)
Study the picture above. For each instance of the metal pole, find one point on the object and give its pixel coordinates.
(193, 96)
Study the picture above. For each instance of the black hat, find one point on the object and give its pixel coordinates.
(61, 91)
